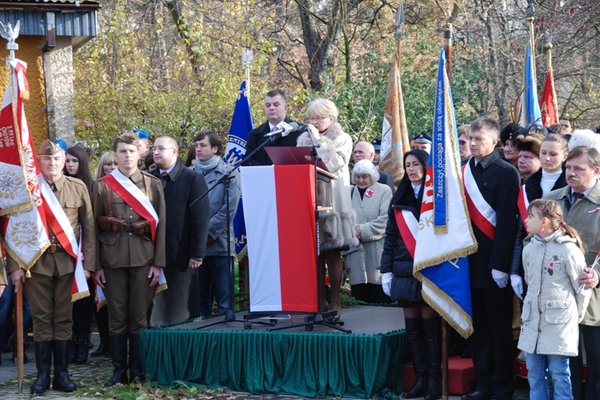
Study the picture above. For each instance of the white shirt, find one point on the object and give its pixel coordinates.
(548, 180)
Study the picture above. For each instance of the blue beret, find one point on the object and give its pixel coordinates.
(142, 134)
(62, 144)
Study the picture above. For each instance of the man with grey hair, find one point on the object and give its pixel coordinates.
(491, 187)
(187, 230)
(71, 231)
(366, 151)
(580, 201)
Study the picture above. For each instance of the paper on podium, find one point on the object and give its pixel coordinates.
(293, 156)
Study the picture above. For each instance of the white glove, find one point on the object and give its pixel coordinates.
(501, 278)
(517, 284)
(386, 282)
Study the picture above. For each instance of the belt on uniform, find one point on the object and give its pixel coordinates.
(128, 228)
(55, 248)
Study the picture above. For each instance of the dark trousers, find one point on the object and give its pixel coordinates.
(172, 305)
(6, 313)
(213, 280)
(591, 342)
(83, 312)
(492, 340)
(128, 294)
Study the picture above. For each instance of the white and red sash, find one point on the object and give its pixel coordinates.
(140, 203)
(59, 224)
(133, 197)
(408, 226)
(523, 205)
(482, 214)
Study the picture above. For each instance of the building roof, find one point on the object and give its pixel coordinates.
(51, 3)
(71, 18)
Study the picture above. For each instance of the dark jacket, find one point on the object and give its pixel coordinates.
(187, 223)
(533, 186)
(257, 136)
(386, 179)
(498, 182)
(406, 289)
(533, 189)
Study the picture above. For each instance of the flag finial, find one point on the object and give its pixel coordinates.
(10, 34)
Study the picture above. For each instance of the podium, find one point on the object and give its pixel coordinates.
(280, 216)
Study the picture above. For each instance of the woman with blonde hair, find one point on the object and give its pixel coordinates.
(336, 228)
(106, 164)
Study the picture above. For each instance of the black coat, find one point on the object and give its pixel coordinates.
(498, 182)
(406, 289)
(386, 179)
(533, 189)
(533, 185)
(187, 223)
(257, 136)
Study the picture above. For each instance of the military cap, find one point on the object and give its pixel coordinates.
(47, 148)
(422, 138)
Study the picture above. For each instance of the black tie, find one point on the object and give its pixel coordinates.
(578, 195)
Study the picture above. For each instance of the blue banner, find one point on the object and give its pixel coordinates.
(530, 106)
(241, 125)
(445, 237)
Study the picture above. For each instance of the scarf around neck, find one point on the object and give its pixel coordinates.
(207, 166)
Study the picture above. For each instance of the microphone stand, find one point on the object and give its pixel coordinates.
(224, 179)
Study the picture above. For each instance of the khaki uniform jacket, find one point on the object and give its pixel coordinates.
(584, 216)
(73, 196)
(125, 249)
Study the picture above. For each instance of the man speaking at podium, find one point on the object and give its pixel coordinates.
(275, 108)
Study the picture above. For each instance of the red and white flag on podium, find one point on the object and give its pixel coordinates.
(281, 233)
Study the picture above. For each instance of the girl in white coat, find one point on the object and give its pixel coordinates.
(555, 303)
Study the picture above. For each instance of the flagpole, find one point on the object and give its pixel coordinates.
(247, 61)
(530, 16)
(448, 36)
(448, 32)
(11, 35)
(548, 47)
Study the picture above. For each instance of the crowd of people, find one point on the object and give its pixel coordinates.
(148, 215)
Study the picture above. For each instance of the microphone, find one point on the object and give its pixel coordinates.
(286, 129)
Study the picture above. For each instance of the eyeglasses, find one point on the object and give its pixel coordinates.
(160, 148)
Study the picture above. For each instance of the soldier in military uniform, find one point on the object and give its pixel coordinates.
(48, 290)
(129, 208)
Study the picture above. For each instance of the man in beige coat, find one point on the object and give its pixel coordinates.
(48, 290)
(129, 207)
(580, 201)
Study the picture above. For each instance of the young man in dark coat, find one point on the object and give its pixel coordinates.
(187, 229)
(275, 108)
(492, 184)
